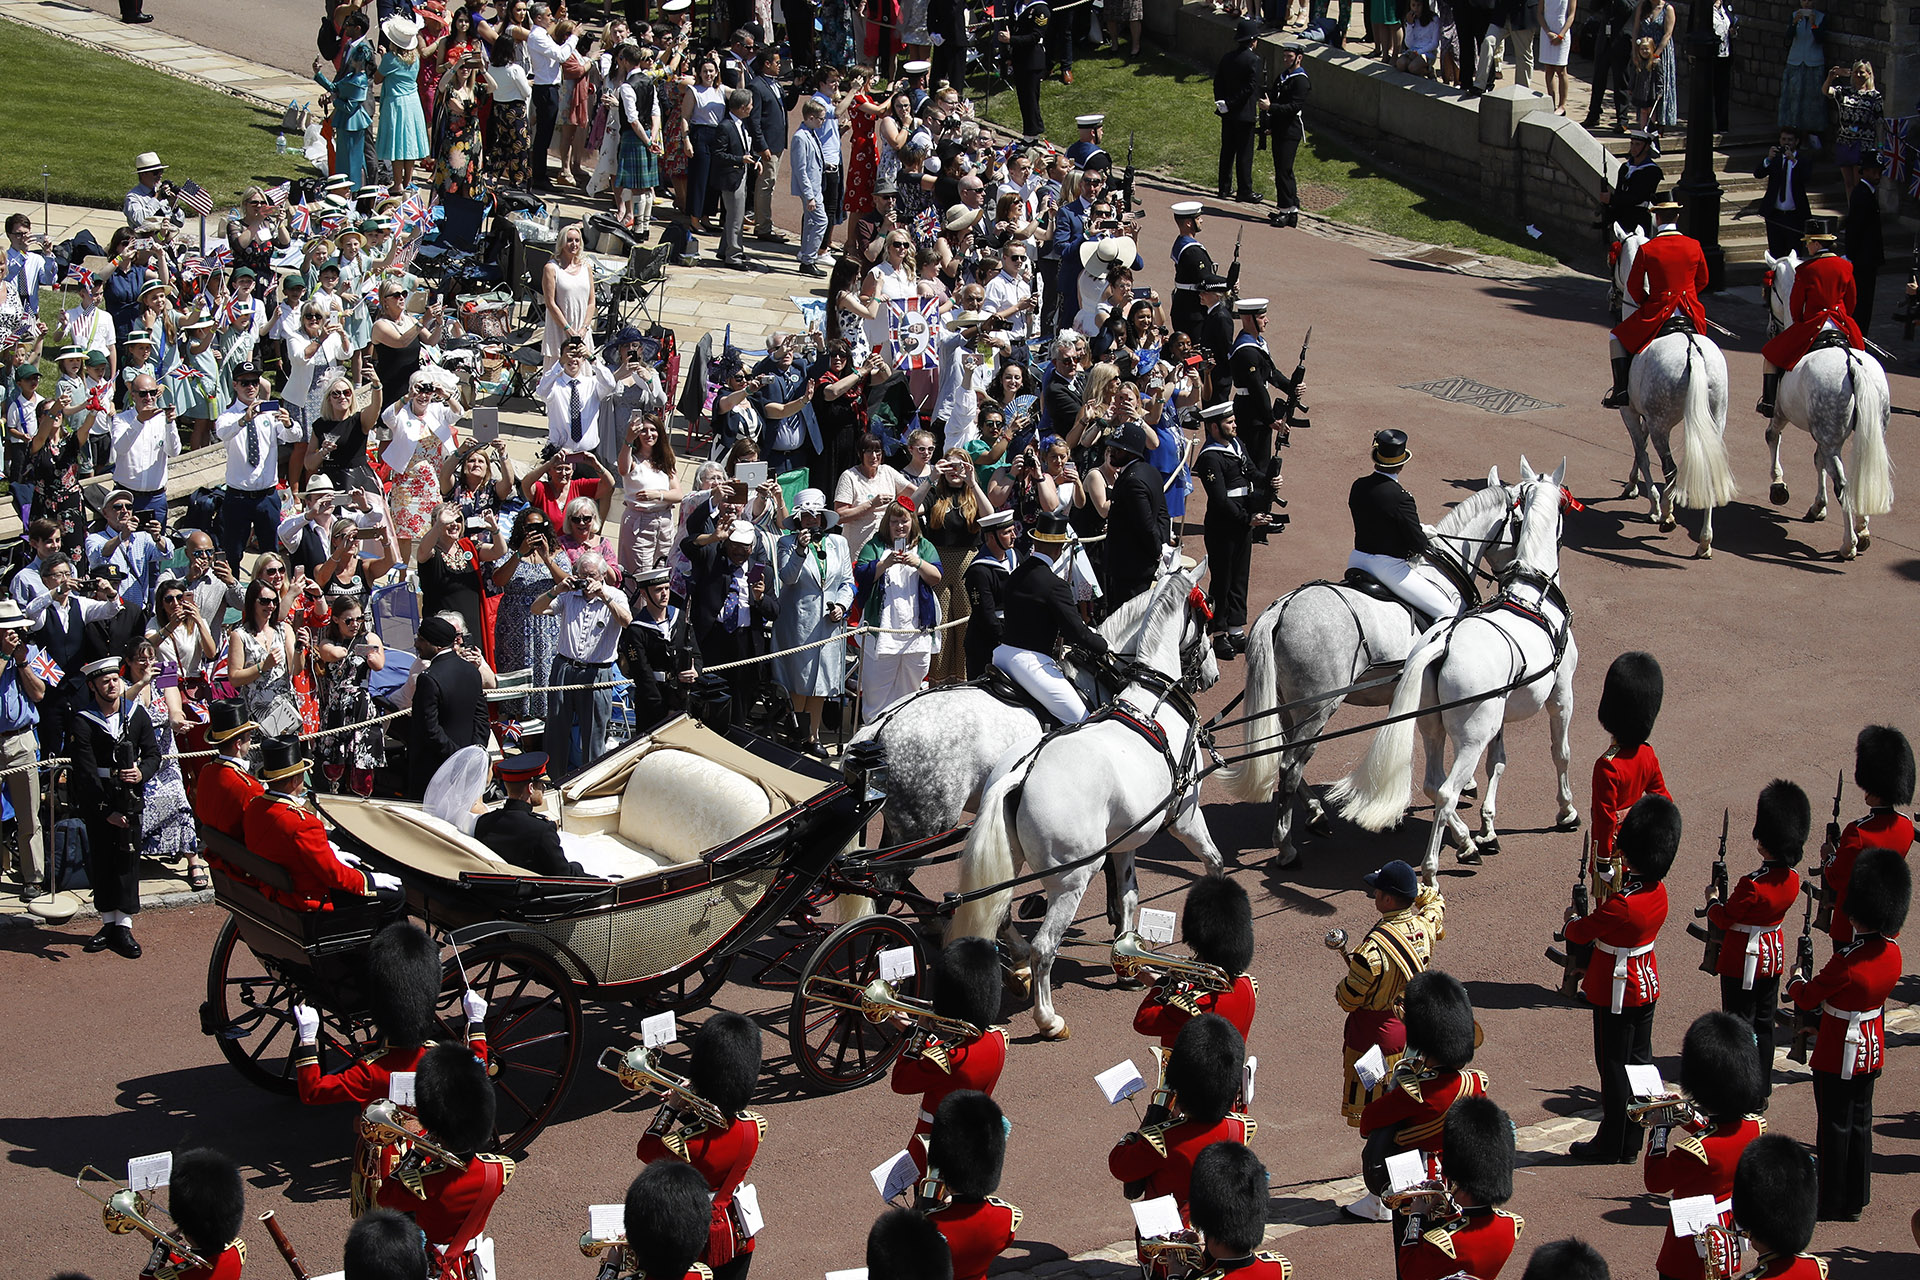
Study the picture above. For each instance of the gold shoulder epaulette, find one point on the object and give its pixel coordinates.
(1441, 1239)
(1155, 1135)
(1692, 1145)
(1519, 1223)
(506, 1166)
(1822, 1264)
(241, 1245)
(1252, 1127)
(759, 1122)
(1286, 1268)
(1013, 1209)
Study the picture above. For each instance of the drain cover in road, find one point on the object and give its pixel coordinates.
(1464, 390)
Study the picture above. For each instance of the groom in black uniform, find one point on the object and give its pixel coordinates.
(1137, 521)
(516, 830)
(1039, 611)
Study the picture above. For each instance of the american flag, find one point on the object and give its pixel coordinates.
(195, 197)
(280, 194)
(45, 668)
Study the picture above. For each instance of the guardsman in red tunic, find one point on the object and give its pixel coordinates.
(1773, 1203)
(667, 1218)
(1851, 995)
(281, 827)
(1479, 1237)
(1433, 1075)
(1754, 952)
(449, 1199)
(1697, 1157)
(1568, 1259)
(903, 1244)
(226, 786)
(383, 1245)
(966, 986)
(206, 1200)
(1883, 769)
(1623, 975)
(1229, 1200)
(1217, 921)
(965, 1153)
(1823, 294)
(1627, 769)
(724, 1069)
(1668, 274)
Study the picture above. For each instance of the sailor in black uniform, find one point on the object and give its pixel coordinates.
(1039, 611)
(1286, 101)
(1230, 478)
(1638, 181)
(115, 752)
(1025, 39)
(654, 648)
(1138, 527)
(986, 582)
(1254, 379)
(516, 830)
(1088, 153)
(1192, 264)
(1387, 533)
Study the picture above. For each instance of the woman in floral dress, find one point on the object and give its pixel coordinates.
(522, 639)
(345, 656)
(423, 437)
(836, 33)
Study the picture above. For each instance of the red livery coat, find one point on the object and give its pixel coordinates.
(1697, 1165)
(1258, 1266)
(1235, 1004)
(1789, 1266)
(1620, 777)
(1762, 897)
(1880, 829)
(975, 1065)
(225, 1267)
(221, 796)
(723, 1158)
(453, 1210)
(1478, 1244)
(1668, 274)
(1135, 1159)
(1627, 921)
(976, 1231)
(1857, 980)
(281, 830)
(1823, 290)
(1419, 1107)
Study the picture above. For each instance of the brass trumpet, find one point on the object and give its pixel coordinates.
(126, 1211)
(383, 1124)
(1132, 957)
(638, 1071)
(613, 1255)
(1426, 1197)
(592, 1246)
(1667, 1110)
(878, 1001)
(1171, 1254)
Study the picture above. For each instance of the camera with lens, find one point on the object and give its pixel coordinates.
(125, 798)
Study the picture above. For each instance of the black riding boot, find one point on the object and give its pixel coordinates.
(1769, 386)
(1618, 396)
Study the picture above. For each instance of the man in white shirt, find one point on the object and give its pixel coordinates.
(544, 58)
(135, 551)
(27, 268)
(574, 389)
(963, 376)
(252, 436)
(211, 581)
(143, 439)
(592, 615)
(307, 537)
(1010, 295)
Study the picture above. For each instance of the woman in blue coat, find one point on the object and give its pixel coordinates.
(351, 120)
(816, 590)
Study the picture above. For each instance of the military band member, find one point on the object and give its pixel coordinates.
(282, 828)
(1719, 1073)
(1754, 952)
(1204, 1077)
(1568, 1259)
(1228, 1194)
(517, 831)
(1635, 185)
(207, 1200)
(1038, 613)
(383, 1245)
(904, 1245)
(667, 1215)
(1824, 297)
(987, 580)
(1217, 922)
(1668, 274)
(1215, 337)
(1388, 537)
(1883, 770)
(1774, 1202)
(1478, 1170)
(226, 785)
(965, 1153)
(1623, 974)
(450, 1201)
(724, 1070)
(1088, 152)
(1426, 1083)
(1192, 266)
(1628, 769)
(1237, 493)
(1254, 380)
(966, 986)
(1399, 945)
(1850, 1048)
(115, 752)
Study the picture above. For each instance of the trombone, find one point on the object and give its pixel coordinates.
(126, 1211)
(877, 1001)
(638, 1071)
(383, 1124)
(1132, 957)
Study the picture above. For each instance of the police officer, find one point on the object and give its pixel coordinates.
(1387, 533)
(1192, 266)
(1285, 102)
(987, 580)
(1230, 478)
(1039, 611)
(1088, 153)
(516, 830)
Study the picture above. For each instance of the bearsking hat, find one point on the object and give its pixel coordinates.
(968, 1144)
(1649, 836)
(1883, 763)
(725, 1064)
(1204, 1070)
(1879, 892)
(1630, 699)
(1781, 821)
(903, 1244)
(966, 982)
(1217, 922)
(403, 974)
(1439, 1018)
(454, 1098)
(1479, 1150)
(1776, 1194)
(1719, 1067)
(669, 1216)
(207, 1199)
(1227, 1197)
(1568, 1259)
(384, 1245)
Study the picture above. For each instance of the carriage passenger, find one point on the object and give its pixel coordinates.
(1668, 274)
(966, 986)
(516, 830)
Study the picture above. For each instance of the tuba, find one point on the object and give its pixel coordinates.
(638, 1071)
(1132, 957)
(877, 1002)
(126, 1211)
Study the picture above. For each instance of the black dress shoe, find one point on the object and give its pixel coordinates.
(1589, 1152)
(122, 942)
(1223, 648)
(137, 19)
(99, 941)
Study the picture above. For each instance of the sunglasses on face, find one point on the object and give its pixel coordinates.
(246, 382)
(579, 519)
(275, 572)
(268, 600)
(200, 555)
(144, 393)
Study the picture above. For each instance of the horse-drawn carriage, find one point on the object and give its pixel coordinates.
(709, 844)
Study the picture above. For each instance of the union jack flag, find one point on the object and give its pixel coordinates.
(510, 732)
(300, 220)
(926, 226)
(1913, 186)
(82, 278)
(45, 668)
(1899, 162)
(238, 312)
(280, 194)
(220, 256)
(194, 378)
(332, 223)
(413, 212)
(195, 197)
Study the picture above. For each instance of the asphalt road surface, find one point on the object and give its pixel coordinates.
(277, 32)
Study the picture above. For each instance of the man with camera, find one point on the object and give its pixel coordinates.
(137, 549)
(966, 362)
(115, 751)
(1233, 518)
(1010, 297)
(574, 388)
(592, 614)
(252, 429)
(30, 263)
(730, 611)
(144, 439)
(61, 619)
(21, 690)
(790, 434)
(152, 196)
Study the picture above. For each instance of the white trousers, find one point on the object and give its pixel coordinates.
(1041, 676)
(886, 678)
(1419, 585)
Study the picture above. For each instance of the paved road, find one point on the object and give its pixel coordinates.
(277, 32)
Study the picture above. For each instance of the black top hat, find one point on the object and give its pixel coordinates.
(1390, 448)
(1052, 527)
(225, 721)
(281, 758)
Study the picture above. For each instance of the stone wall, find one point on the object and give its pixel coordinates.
(1878, 30)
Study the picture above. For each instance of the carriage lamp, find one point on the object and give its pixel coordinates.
(865, 767)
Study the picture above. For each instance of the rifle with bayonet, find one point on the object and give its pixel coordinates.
(1824, 921)
(1573, 961)
(1292, 415)
(1233, 269)
(1806, 1023)
(1713, 935)
(1126, 182)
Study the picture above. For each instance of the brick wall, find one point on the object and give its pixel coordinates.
(1853, 29)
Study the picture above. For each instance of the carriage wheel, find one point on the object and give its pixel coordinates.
(533, 1034)
(837, 1048)
(249, 1011)
(692, 990)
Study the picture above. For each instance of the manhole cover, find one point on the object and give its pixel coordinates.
(1315, 198)
(1464, 390)
(1438, 257)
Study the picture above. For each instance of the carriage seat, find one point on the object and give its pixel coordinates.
(676, 806)
(1368, 585)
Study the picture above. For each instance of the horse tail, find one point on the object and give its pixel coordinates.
(989, 859)
(1704, 477)
(1374, 795)
(1254, 777)
(1872, 470)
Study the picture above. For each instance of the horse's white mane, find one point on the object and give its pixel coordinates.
(1472, 507)
(1122, 627)
(1538, 542)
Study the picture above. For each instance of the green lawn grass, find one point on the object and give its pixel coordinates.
(1168, 108)
(83, 116)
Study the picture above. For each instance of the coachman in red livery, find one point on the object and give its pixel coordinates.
(1754, 954)
(226, 785)
(1668, 274)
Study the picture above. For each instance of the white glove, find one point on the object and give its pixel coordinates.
(352, 860)
(476, 1007)
(381, 880)
(306, 1023)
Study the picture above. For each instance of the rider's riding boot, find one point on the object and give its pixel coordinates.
(1769, 385)
(1617, 397)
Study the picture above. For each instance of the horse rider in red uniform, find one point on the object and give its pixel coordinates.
(1823, 294)
(1668, 274)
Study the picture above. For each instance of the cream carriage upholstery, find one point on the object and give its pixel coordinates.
(675, 806)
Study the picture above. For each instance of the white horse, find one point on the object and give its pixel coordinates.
(1677, 378)
(1086, 786)
(1831, 393)
(1528, 630)
(1322, 637)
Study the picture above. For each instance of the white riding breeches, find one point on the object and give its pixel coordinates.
(1041, 676)
(1421, 586)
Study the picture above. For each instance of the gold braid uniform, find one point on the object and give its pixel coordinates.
(1397, 947)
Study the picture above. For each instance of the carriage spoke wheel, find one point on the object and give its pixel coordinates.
(836, 1048)
(691, 989)
(533, 1033)
(249, 1012)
